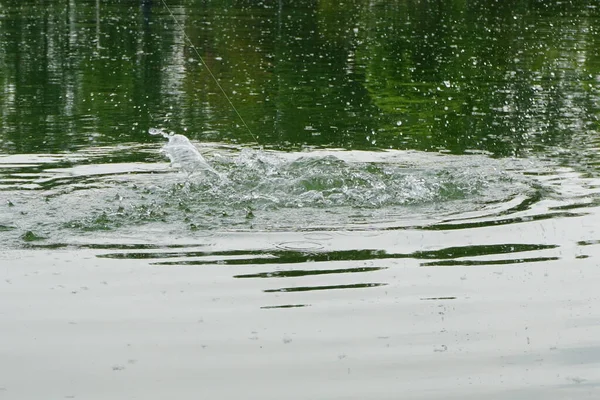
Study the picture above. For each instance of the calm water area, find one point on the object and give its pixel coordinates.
(379, 199)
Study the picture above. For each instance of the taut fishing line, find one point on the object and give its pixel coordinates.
(209, 71)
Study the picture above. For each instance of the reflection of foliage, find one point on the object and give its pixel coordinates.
(478, 76)
(505, 77)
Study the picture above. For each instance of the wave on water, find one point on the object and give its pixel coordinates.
(218, 187)
(232, 188)
(269, 180)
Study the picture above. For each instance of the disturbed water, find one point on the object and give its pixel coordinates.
(241, 189)
(416, 213)
(235, 188)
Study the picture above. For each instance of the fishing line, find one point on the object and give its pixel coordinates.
(209, 71)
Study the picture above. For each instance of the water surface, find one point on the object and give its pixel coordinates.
(412, 210)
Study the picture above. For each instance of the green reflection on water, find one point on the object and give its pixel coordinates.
(507, 77)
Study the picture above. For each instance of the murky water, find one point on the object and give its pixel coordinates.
(414, 211)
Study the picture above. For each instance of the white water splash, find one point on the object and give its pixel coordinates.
(267, 180)
(182, 153)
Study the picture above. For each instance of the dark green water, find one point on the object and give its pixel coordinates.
(509, 77)
(412, 211)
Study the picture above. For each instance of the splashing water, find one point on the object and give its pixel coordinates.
(269, 179)
(241, 188)
(182, 153)
(320, 182)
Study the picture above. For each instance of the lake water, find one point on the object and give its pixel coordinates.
(408, 207)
